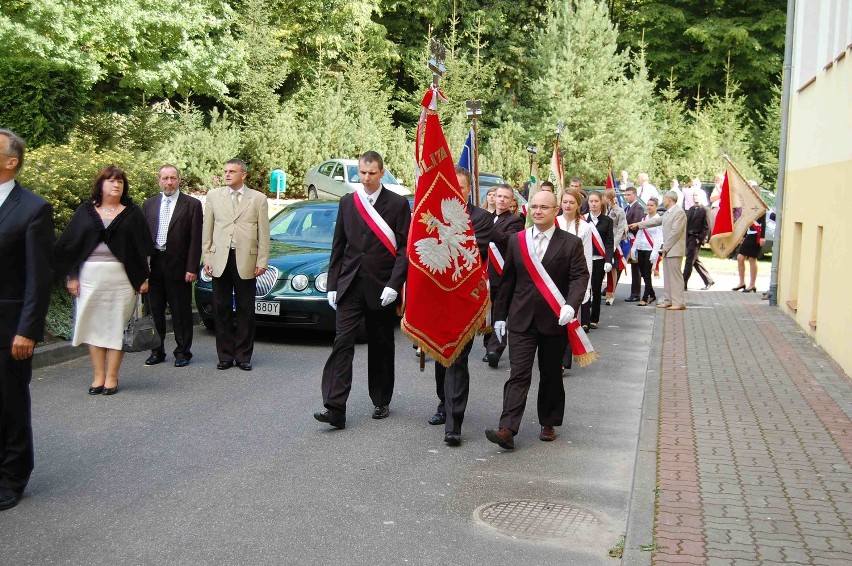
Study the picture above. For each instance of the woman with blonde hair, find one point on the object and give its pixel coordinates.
(490, 197)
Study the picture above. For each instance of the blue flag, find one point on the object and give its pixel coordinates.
(466, 162)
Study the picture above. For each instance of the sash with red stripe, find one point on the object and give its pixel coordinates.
(597, 241)
(495, 258)
(375, 221)
(581, 348)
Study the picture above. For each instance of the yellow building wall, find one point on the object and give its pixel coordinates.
(815, 263)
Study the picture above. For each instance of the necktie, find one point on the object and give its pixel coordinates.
(235, 199)
(163, 228)
(539, 245)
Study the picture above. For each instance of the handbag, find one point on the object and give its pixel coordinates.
(140, 334)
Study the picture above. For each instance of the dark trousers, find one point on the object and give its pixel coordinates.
(693, 245)
(490, 340)
(645, 269)
(635, 280)
(16, 432)
(178, 296)
(452, 385)
(551, 392)
(337, 374)
(597, 280)
(234, 344)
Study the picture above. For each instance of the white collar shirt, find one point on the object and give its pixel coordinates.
(548, 235)
(372, 198)
(5, 189)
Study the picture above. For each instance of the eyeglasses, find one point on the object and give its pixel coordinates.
(541, 207)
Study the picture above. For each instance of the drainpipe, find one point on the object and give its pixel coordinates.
(782, 150)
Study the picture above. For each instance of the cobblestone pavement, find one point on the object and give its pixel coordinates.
(754, 444)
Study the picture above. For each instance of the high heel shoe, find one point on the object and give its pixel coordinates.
(740, 288)
(111, 390)
(750, 290)
(96, 390)
(651, 299)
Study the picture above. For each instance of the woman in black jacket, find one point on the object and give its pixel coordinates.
(601, 262)
(104, 251)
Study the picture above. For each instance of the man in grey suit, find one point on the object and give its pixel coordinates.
(26, 246)
(673, 250)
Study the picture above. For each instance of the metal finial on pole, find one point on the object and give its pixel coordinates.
(473, 109)
(436, 62)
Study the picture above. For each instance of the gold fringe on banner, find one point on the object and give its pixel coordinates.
(586, 359)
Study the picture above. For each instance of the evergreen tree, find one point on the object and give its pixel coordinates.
(767, 139)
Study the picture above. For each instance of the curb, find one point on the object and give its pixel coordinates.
(59, 352)
(640, 518)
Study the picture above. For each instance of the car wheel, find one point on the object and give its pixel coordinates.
(312, 193)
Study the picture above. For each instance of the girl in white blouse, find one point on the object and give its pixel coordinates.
(646, 249)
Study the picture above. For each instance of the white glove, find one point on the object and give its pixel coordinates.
(566, 315)
(654, 255)
(500, 329)
(332, 299)
(388, 296)
(607, 267)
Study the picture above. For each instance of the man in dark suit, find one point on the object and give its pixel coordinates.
(174, 220)
(634, 212)
(26, 246)
(367, 269)
(452, 383)
(533, 323)
(697, 232)
(505, 224)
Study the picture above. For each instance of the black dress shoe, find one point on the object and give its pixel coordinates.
(224, 365)
(155, 359)
(181, 362)
(493, 359)
(452, 438)
(110, 390)
(96, 390)
(438, 418)
(245, 366)
(485, 358)
(381, 412)
(337, 419)
(8, 499)
(631, 300)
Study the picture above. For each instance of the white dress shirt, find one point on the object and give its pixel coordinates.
(372, 198)
(5, 189)
(548, 234)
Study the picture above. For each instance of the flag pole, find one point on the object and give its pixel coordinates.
(559, 184)
(474, 112)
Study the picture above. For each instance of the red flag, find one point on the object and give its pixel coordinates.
(446, 289)
(739, 206)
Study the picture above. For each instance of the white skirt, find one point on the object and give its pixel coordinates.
(104, 305)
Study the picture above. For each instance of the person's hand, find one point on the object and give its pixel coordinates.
(662, 253)
(144, 287)
(500, 330)
(258, 271)
(190, 277)
(762, 242)
(208, 269)
(654, 256)
(634, 226)
(332, 299)
(388, 296)
(607, 267)
(73, 286)
(22, 347)
(566, 315)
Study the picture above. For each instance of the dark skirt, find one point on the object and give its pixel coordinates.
(750, 246)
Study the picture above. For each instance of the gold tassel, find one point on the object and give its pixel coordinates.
(586, 359)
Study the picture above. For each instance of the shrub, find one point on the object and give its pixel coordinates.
(42, 100)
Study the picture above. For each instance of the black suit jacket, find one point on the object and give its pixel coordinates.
(505, 225)
(520, 299)
(26, 246)
(605, 229)
(696, 223)
(483, 225)
(357, 251)
(183, 240)
(634, 213)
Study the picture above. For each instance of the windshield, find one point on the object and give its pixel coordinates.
(353, 177)
(305, 224)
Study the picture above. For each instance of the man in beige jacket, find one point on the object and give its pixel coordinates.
(674, 248)
(235, 247)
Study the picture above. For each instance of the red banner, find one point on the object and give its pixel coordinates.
(447, 291)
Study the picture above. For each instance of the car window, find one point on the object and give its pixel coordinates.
(325, 168)
(338, 171)
(388, 179)
(305, 224)
(352, 174)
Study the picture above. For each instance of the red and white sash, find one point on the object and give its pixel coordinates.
(375, 221)
(581, 348)
(597, 241)
(495, 258)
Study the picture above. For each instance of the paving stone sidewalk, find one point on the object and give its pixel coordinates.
(754, 444)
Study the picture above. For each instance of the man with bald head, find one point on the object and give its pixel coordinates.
(545, 269)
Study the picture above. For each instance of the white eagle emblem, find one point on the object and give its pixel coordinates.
(453, 247)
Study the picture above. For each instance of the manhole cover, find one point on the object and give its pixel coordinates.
(536, 519)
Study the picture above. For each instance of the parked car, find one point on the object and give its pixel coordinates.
(337, 177)
(490, 179)
(768, 197)
(292, 292)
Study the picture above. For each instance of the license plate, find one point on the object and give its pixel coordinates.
(267, 307)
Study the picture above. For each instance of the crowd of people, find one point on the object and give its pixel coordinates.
(113, 254)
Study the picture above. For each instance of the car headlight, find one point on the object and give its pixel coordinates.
(299, 282)
(204, 276)
(321, 282)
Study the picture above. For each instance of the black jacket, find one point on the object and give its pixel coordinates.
(127, 237)
(183, 239)
(504, 226)
(26, 246)
(696, 223)
(605, 229)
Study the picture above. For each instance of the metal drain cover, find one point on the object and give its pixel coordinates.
(536, 519)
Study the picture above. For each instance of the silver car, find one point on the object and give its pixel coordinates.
(338, 177)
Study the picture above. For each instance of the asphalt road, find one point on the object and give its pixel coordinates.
(199, 466)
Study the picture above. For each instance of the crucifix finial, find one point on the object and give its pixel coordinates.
(474, 109)
(436, 62)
